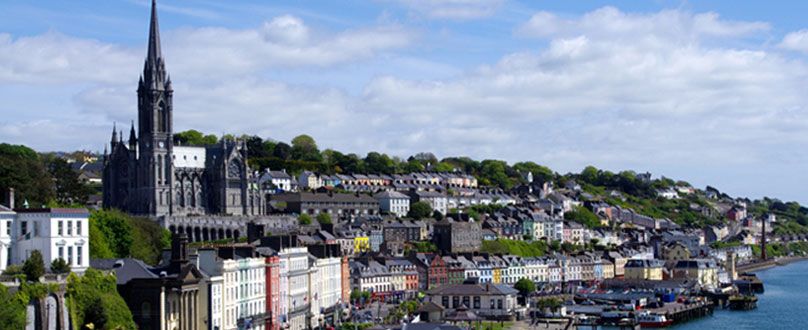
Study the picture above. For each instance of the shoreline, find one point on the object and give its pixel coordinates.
(762, 265)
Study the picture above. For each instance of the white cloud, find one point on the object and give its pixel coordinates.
(671, 92)
(56, 58)
(797, 41)
(654, 28)
(282, 42)
(454, 9)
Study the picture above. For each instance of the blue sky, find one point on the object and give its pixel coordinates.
(712, 92)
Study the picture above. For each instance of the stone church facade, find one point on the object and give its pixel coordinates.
(151, 176)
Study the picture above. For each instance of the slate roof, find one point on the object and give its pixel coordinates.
(474, 290)
(127, 269)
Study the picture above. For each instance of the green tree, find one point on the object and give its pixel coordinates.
(540, 173)
(419, 210)
(583, 216)
(324, 219)
(525, 287)
(22, 169)
(282, 151)
(67, 186)
(437, 215)
(305, 148)
(34, 266)
(494, 172)
(304, 219)
(194, 138)
(59, 266)
(116, 228)
(93, 298)
(443, 167)
(379, 163)
(99, 246)
(12, 310)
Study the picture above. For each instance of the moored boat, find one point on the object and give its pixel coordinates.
(651, 320)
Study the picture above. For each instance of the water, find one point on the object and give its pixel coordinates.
(784, 305)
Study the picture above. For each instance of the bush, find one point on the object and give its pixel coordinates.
(60, 266)
(114, 234)
(12, 310)
(13, 270)
(324, 219)
(93, 298)
(519, 248)
(304, 219)
(419, 210)
(525, 286)
(34, 266)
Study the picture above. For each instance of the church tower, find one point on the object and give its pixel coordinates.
(154, 142)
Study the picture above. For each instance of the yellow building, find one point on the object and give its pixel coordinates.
(497, 276)
(704, 272)
(608, 269)
(361, 244)
(643, 269)
(675, 251)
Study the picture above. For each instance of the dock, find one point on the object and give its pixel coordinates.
(680, 313)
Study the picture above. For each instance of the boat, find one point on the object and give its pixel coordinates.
(742, 302)
(651, 320)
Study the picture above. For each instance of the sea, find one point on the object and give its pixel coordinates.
(784, 305)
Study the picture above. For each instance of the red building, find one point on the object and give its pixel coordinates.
(431, 270)
(273, 307)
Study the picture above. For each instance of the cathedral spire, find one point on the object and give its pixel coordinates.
(154, 54)
(132, 136)
(154, 72)
(114, 134)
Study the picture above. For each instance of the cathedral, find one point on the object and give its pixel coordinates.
(150, 175)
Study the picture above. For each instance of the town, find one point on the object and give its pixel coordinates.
(178, 230)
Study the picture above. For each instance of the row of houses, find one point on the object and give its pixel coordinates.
(403, 277)
(272, 284)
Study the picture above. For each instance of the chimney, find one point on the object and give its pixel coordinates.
(11, 198)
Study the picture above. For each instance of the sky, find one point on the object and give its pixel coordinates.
(710, 92)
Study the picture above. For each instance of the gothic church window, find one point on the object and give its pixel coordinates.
(161, 117)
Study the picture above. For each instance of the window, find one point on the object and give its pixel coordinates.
(445, 301)
(78, 225)
(477, 302)
(59, 231)
(455, 302)
(70, 255)
(78, 255)
(23, 228)
(493, 303)
(499, 303)
(69, 228)
(61, 252)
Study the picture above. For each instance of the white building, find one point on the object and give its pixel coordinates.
(326, 287)
(279, 181)
(393, 202)
(243, 287)
(294, 287)
(215, 288)
(310, 180)
(55, 232)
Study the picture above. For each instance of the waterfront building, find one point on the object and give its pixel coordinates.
(643, 269)
(489, 301)
(703, 271)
